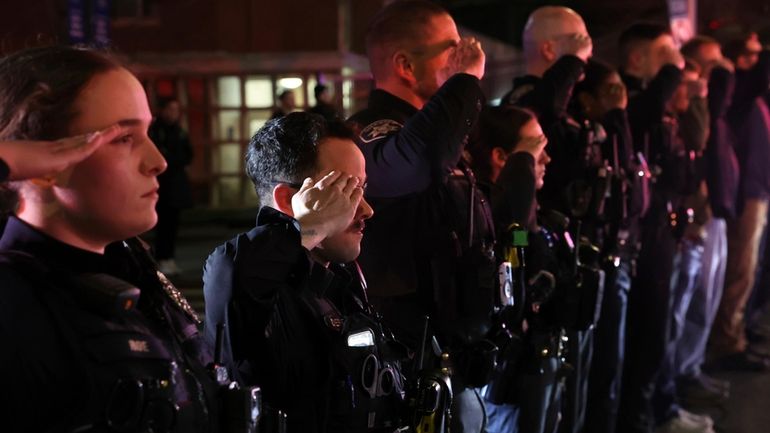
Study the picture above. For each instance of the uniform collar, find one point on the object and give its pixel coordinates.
(525, 80)
(382, 99)
(268, 215)
(631, 82)
(22, 237)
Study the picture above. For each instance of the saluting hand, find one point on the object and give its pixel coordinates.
(467, 57)
(576, 44)
(613, 96)
(326, 207)
(671, 56)
(29, 159)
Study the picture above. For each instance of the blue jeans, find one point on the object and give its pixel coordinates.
(691, 350)
(687, 268)
(502, 418)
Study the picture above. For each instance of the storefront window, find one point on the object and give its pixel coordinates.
(228, 92)
(227, 158)
(259, 91)
(226, 125)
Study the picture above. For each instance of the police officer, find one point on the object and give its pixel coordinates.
(429, 247)
(651, 70)
(83, 351)
(556, 47)
(509, 156)
(294, 304)
(599, 104)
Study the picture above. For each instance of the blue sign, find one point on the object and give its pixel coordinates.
(76, 21)
(100, 22)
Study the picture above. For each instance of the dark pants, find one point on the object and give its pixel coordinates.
(687, 268)
(468, 415)
(609, 348)
(580, 349)
(541, 390)
(166, 231)
(649, 311)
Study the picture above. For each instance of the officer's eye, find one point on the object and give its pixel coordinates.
(124, 139)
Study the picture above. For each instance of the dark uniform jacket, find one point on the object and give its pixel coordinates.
(722, 169)
(654, 138)
(68, 362)
(549, 96)
(416, 251)
(749, 118)
(174, 143)
(286, 318)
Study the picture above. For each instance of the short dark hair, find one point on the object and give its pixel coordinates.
(284, 93)
(166, 101)
(638, 33)
(403, 21)
(736, 46)
(285, 149)
(318, 90)
(691, 47)
(498, 126)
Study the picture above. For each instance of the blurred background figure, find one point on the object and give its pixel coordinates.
(286, 104)
(749, 118)
(175, 194)
(323, 106)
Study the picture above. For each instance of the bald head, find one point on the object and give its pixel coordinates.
(549, 33)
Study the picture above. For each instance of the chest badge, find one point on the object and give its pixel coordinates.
(379, 129)
(333, 321)
(138, 346)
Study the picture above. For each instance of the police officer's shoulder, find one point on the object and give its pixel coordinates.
(378, 129)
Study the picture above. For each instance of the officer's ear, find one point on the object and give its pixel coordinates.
(282, 194)
(403, 66)
(548, 51)
(498, 157)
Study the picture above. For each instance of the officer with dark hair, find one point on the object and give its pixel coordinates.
(289, 293)
(651, 68)
(95, 339)
(430, 247)
(599, 103)
(510, 158)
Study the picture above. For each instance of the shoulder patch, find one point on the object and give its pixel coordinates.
(518, 93)
(379, 129)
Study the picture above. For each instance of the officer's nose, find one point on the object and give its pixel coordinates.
(364, 211)
(152, 163)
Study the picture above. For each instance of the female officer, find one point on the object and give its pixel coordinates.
(94, 339)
